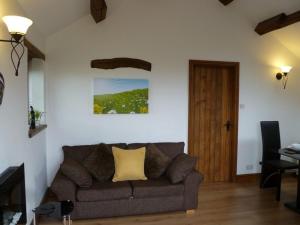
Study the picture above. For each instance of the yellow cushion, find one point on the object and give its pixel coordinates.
(129, 164)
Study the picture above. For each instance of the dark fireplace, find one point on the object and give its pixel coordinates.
(12, 196)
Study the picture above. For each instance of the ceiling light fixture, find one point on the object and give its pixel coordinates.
(17, 27)
(283, 75)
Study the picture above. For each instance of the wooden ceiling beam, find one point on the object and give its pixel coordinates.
(277, 22)
(98, 10)
(226, 2)
(121, 63)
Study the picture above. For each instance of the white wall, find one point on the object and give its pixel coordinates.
(15, 146)
(167, 33)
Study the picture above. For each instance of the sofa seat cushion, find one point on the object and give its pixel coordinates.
(156, 188)
(101, 191)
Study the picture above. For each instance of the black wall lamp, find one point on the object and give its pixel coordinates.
(17, 27)
(284, 75)
(2, 86)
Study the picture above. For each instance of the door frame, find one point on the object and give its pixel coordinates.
(236, 69)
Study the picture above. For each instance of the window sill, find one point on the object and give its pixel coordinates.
(33, 132)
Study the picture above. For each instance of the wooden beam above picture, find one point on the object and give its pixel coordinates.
(226, 2)
(277, 22)
(98, 10)
(121, 63)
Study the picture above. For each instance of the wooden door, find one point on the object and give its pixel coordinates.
(213, 118)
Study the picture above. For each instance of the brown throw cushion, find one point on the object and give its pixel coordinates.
(156, 162)
(77, 173)
(181, 166)
(100, 163)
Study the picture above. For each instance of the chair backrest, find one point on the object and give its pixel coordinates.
(270, 140)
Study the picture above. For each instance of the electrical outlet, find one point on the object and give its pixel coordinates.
(249, 167)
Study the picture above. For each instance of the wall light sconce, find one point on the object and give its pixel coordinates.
(17, 27)
(2, 87)
(284, 75)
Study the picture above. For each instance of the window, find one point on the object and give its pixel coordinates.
(36, 89)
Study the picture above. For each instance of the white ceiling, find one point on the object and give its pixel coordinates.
(290, 38)
(259, 10)
(51, 16)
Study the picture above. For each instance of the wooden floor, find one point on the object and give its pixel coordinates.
(220, 204)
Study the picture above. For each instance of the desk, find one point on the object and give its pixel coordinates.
(295, 206)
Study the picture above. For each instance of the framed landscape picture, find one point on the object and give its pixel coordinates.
(120, 96)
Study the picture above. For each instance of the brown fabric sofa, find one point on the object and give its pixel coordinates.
(108, 199)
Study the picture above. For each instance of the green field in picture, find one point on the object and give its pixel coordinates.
(120, 96)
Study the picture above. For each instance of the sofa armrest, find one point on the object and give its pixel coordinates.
(191, 188)
(63, 188)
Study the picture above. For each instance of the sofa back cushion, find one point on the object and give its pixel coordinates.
(100, 163)
(181, 166)
(81, 152)
(77, 173)
(156, 162)
(118, 145)
(78, 153)
(171, 149)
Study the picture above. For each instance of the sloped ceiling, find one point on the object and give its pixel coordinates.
(290, 38)
(259, 10)
(51, 16)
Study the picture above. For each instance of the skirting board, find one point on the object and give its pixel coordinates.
(247, 178)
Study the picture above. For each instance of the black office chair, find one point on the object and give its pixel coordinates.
(272, 165)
